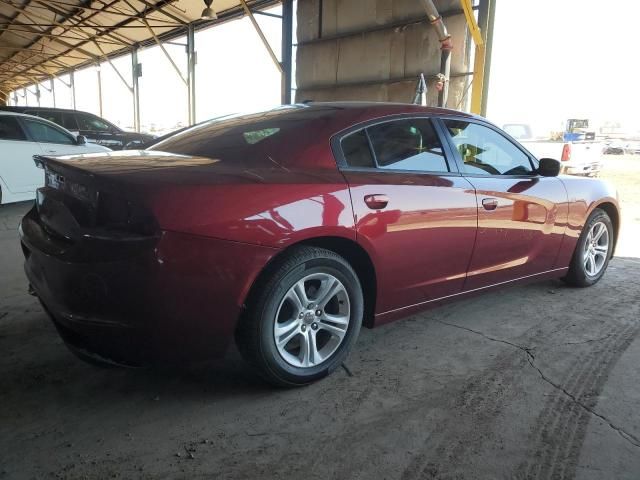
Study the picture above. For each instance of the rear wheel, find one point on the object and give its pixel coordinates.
(593, 252)
(304, 318)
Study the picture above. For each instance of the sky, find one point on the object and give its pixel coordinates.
(552, 60)
(565, 59)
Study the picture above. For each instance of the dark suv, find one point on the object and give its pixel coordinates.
(93, 128)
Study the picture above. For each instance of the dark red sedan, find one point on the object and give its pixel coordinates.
(289, 229)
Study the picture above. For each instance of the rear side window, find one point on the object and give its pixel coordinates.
(55, 117)
(41, 132)
(408, 145)
(69, 121)
(355, 148)
(10, 129)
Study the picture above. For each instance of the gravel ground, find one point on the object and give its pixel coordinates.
(538, 381)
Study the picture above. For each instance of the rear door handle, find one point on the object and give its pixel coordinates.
(377, 201)
(490, 203)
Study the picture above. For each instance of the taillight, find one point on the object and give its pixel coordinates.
(566, 152)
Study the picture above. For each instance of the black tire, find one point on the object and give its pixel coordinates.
(255, 333)
(577, 276)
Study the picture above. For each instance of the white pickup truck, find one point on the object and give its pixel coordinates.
(578, 157)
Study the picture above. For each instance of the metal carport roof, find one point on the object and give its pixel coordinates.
(42, 38)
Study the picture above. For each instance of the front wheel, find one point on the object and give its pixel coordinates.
(303, 319)
(593, 251)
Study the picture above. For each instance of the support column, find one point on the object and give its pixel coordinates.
(73, 88)
(53, 91)
(486, 20)
(99, 71)
(136, 72)
(287, 50)
(192, 59)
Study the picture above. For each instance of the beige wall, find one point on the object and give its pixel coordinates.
(337, 61)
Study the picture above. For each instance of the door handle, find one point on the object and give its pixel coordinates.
(52, 151)
(377, 201)
(490, 203)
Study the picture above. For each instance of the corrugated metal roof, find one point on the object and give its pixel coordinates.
(41, 38)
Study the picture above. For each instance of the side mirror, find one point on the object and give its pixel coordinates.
(549, 167)
(81, 140)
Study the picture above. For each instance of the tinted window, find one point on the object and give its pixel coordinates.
(69, 122)
(355, 148)
(91, 123)
(55, 117)
(407, 145)
(41, 132)
(486, 152)
(10, 129)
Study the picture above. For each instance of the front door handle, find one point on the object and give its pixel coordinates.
(377, 201)
(490, 203)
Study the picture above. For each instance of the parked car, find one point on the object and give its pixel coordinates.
(93, 128)
(632, 148)
(22, 137)
(613, 147)
(579, 155)
(287, 230)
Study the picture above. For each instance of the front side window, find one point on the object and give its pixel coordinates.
(41, 132)
(485, 151)
(10, 129)
(407, 145)
(91, 123)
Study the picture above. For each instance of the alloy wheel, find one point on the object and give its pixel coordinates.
(312, 320)
(596, 249)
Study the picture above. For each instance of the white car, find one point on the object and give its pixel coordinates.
(22, 137)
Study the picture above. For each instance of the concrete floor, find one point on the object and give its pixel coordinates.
(539, 381)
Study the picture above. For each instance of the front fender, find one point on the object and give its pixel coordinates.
(584, 196)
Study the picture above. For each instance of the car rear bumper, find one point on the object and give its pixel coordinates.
(176, 301)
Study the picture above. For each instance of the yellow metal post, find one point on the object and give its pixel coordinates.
(478, 64)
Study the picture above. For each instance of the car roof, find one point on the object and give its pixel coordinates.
(390, 107)
(17, 108)
(34, 117)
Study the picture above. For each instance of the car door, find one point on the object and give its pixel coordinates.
(98, 131)
(52, 140)
(17, 169)
(521, 215)
(413, 211)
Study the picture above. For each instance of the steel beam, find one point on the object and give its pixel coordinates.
(477, 31)
(72, 81)
(260, 33)
(488, 40)
(53, 91)
(191, 73)
(287, 50)
(136, 72)
(99, 72)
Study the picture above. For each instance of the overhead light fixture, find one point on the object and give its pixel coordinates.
(208, 13)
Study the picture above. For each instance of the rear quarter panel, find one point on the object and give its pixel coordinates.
(263, 207)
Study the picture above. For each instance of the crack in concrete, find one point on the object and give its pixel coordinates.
(584, 341)
(629, 437)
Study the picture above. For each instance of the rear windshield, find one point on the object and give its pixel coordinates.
(247, 140)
